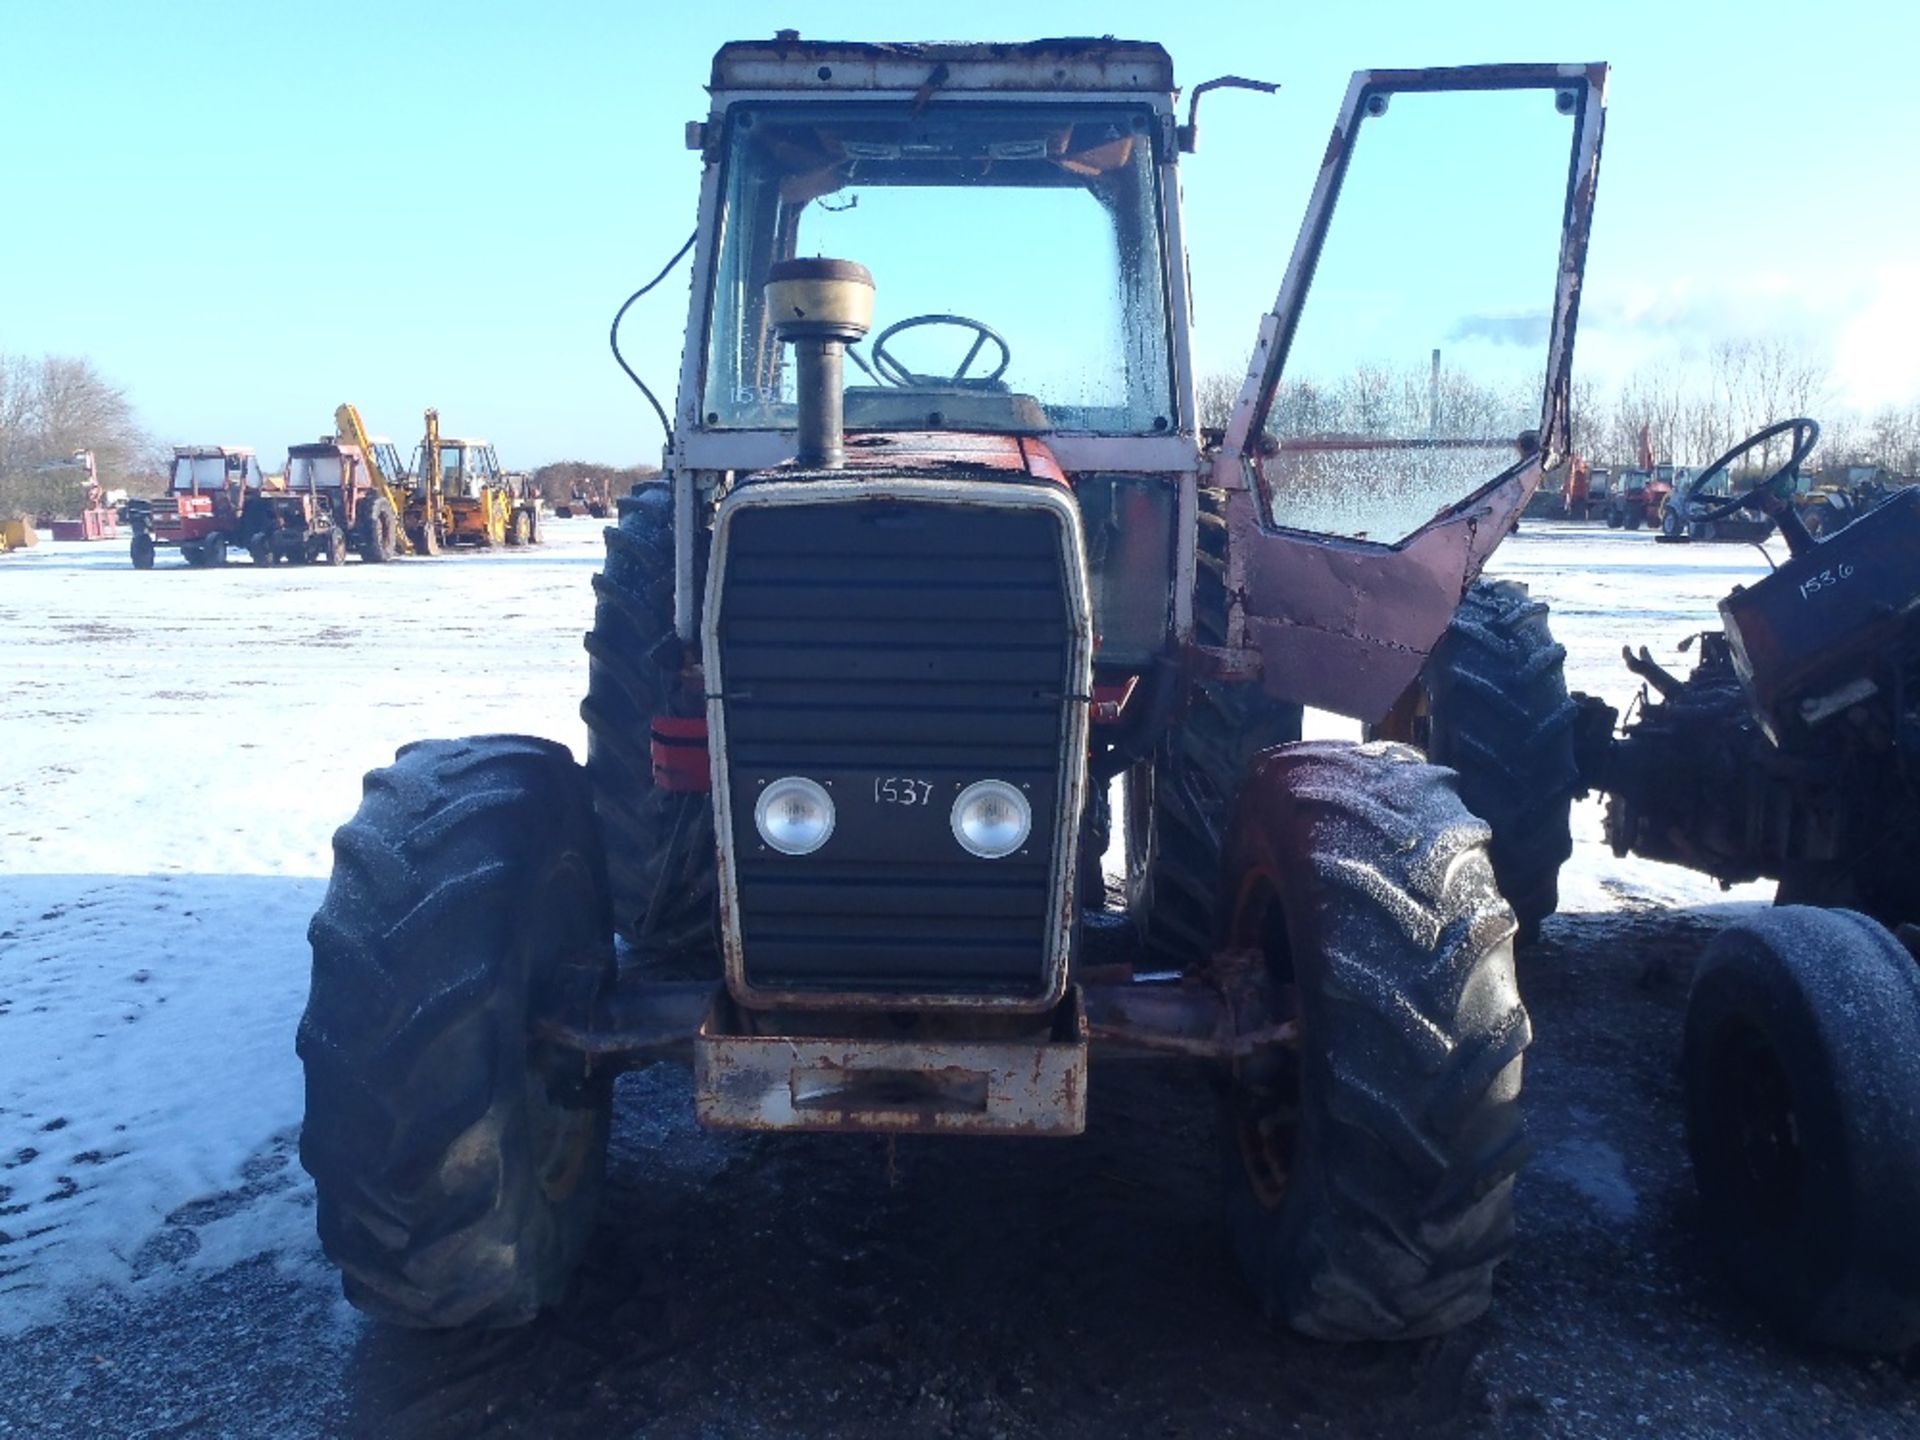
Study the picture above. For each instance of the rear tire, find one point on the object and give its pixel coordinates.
(1802, 1065)
(456, 1159)
(381, 539)
(1491, 703)
(1176, 821)
(1371, 1164)
(660, 846)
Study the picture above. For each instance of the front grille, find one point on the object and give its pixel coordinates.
(924, 644)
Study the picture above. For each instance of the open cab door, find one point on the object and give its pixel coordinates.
(1410, 386)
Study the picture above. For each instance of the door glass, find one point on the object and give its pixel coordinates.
(1420, 353)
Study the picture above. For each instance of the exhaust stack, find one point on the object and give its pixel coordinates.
(820, 306)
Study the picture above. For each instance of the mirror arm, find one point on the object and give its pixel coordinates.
(1188, 135)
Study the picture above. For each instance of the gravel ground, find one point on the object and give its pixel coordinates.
(747, 1285)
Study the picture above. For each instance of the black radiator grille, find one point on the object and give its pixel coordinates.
(920, 643)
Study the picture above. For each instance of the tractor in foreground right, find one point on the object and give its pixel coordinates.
(1792, 752)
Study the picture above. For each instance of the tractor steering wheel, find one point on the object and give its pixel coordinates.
(894, 373)
(1806, 434)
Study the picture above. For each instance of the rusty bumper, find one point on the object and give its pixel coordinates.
(1029, 1084)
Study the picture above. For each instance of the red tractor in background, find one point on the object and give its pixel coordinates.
(211, 504)
(334, 502)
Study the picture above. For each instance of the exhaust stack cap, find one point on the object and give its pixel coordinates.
(820, 307)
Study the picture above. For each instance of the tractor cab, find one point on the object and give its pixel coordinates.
(325, 465)
(1016, 213)
(468, 468)
(213, 469)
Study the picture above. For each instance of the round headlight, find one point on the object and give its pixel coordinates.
(794, 815)
(991, 818)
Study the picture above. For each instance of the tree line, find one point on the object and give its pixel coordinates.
(1689, 414)
(52, 406)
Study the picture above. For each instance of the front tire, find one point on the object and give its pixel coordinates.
(1802, 1065)
(660, 846)
(1371, 1162)
(456, 1159)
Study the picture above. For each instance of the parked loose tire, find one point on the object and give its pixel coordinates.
(1491, 703)
(141, 550)
(1802, 1064)
(660, 846)
(457, 1158)
(1370, 1163)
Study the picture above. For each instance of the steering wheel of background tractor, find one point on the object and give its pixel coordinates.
(894, 373)
(1806, 434)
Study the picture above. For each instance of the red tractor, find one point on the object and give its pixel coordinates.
(334, 501)
(211, 501)
(943, 589)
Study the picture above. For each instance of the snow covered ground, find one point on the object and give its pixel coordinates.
(176, 748)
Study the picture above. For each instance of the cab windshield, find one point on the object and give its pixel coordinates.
(199, 472)
(321, 470)
(1039, 223)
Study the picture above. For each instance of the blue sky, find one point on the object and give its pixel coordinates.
(247, 213)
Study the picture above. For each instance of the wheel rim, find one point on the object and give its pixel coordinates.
(1758, 1125)
(564, 1147)
(1266, 1084)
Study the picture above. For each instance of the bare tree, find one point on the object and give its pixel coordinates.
(1894, 438)
(1214, 395)
(50, 408)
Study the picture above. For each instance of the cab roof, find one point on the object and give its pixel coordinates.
(787, 62)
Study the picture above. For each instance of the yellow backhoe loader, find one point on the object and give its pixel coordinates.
(471, 494)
